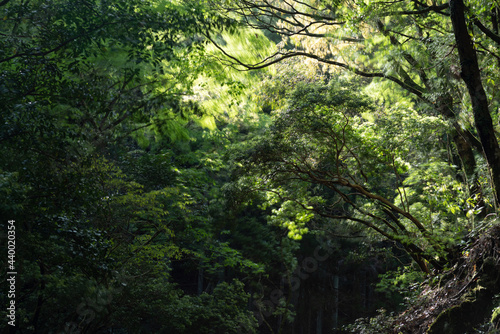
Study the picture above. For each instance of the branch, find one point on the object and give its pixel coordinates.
(486, 31)
(437, 9)
(250, 6)
(407, 56)
(58, 47)
(268, 62)
(40, 54)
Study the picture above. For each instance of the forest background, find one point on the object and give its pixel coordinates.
(199, 166)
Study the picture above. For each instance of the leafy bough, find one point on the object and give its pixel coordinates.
(325, 161)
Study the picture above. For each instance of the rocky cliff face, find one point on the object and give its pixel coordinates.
(462, 299)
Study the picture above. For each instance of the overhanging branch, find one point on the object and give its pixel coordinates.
(494, 37)
(278, 57)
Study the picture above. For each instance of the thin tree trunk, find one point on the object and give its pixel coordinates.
(464, 147)
(472, 78)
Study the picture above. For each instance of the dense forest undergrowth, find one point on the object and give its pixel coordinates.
(199, 166)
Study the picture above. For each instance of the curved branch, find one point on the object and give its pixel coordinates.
(270, 61)
(436, 9)
(249, 8)
(494, 37)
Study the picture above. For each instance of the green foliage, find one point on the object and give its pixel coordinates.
(432, 187)
(403, 283)
(382, 323)
(12, 192)
(329, 153)
(223, 311)
(102, 171)
(149, 179)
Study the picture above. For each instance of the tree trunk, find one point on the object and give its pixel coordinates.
(472, 78)
(463, 143)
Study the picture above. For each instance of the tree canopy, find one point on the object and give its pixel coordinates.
(249, 166)
(412, 44)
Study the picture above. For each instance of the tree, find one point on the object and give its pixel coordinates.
(330, 153)
(471, 75)
(398, 42)
(105, 65)
(81, 83)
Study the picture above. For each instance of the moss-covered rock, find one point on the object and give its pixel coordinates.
(469, 314)
(461, 318)
(464, 301)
